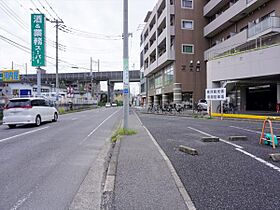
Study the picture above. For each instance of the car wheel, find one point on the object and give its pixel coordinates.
(12, 126)
(55, 117)
(38, 120)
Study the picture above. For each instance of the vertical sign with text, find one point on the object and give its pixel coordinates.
(125, 77)
(38, 39)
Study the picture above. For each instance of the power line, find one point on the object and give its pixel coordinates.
(11, 15)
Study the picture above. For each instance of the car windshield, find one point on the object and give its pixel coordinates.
(18, 103)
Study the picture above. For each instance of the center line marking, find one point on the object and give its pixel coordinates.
(222, 140)
(23, 134)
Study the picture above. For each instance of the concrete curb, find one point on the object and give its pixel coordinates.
(237, 138)
(210, 139)
(89, 194)
(188, 150)
(275, 157)
(112, 169)
(246, 116)
(186, 197)
(225, 116)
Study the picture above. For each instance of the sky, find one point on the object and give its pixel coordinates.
(92, 28)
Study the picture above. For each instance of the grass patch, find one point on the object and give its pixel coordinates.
(61, 110)
(122, 132)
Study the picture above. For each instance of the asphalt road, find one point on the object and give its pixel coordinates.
(225, 175)
(43, 167)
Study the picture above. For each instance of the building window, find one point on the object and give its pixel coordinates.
(168, 75)
(187, 48)
(158, 80)
(187, 24)
(151, 83)
(187, 4)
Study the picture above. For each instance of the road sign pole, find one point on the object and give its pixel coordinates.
(38, 81)
(125, 66)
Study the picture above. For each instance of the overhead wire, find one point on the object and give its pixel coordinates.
(13, 17)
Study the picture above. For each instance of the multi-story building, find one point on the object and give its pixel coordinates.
(172, 49)
(244, 51)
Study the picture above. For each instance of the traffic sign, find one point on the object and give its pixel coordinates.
(125, 91)
(215, 94)
(38, 39)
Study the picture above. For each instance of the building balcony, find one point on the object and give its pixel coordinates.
(256, 63)
(226, 45)
(213, 6)
(268, 25)
(233, 14)
(225, 19)
(162, 36)
(162, 16)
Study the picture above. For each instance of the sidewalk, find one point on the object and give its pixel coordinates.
(143, 178)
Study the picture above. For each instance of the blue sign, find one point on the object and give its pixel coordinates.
(10, 76)
(125, 91)
(1, 76)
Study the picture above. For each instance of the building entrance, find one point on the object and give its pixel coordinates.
(261, 98)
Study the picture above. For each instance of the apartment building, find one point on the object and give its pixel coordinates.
(172, 52)
(244, 51)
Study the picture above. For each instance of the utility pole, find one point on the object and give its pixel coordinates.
(125, 66)
(56, 21)
(91, 79)
(26, 69)
(98, 65)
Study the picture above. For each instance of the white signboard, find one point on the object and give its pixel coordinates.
(215, 94)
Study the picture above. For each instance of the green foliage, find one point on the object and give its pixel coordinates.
(101, 103)
(119, 103)
(61, 110)
(122, 132)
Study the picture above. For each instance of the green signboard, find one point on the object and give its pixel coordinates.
(38, 39)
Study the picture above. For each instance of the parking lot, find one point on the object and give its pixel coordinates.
(225, 174)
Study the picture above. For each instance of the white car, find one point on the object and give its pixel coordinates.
(29, 111)
(107, 105)
(202, 104)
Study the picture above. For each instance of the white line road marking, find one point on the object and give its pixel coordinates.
(74, 119)
(244, 129)
(23, 134)
(98, 126)
(21, 201)
(259, 159)
(222, 140)
(239, 148)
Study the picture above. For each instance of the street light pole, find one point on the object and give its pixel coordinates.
(125, 65)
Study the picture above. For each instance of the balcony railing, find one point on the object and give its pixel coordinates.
(268, 23)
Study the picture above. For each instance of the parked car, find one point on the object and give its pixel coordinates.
(114, 104)
(107, 105)
(29, 111)
(202, 104)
